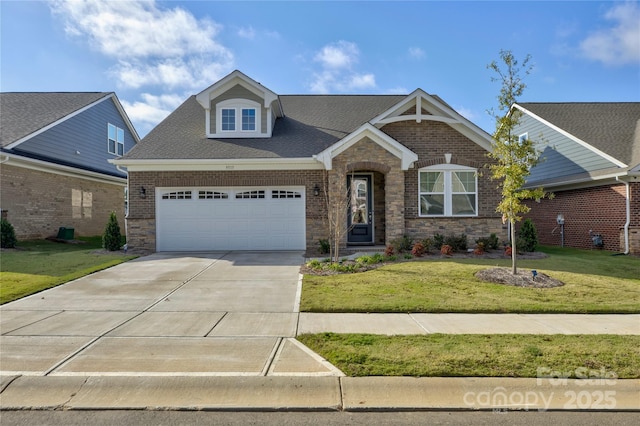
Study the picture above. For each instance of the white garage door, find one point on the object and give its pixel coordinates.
(247, 218)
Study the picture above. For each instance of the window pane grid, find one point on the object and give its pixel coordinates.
(248, 119)
(447, 193)
(228, 119)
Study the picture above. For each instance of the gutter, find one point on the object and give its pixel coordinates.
(628, 222)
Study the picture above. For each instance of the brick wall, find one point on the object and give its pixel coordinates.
(431, 141)
(601, 209)
(141, 219)
(38, 203)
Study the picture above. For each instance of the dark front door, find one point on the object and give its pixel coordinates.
(360, 215)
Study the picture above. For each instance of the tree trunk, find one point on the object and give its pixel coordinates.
(514, 269)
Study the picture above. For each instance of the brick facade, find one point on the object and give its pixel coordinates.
(601, 210)
(38, 203)
(395, 191)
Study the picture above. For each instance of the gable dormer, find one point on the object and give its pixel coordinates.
(239, 107)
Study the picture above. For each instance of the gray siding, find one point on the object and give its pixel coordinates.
(239, 92)
(561, 156)
(82, 139)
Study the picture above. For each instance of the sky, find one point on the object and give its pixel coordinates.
(155, 54)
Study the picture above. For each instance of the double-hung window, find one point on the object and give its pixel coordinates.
(448, 190)
(115, 144)
(239, 118)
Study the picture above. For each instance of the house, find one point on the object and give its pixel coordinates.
(240, 167)
(54, 157)
(590, 161)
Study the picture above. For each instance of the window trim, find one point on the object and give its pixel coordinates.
(118, 145)
(448, 170)
(239, 106)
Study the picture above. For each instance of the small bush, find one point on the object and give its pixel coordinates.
(418, 249)
(325, 247)
(428, 244)
(479, 249)
(528, 237)
(388, 251)
(508, 251)
(370, 260)
(457, 242)
(392, 258)
(400, 245)
(446, 250)
(408, 256)
(8, 234)
(491, 242)
(112, 239)
(314, 264)
(438, 241)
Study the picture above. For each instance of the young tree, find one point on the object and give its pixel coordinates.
(112, 239)
(337, 203)
(514, 158)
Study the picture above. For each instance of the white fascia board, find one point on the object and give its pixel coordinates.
(226, 83)
(572, 137)
(124, 115)
(407, 156)
(219, 164)
(44, 166)
(55, 123)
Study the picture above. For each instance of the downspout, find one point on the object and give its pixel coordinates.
(628, 222)
(126, 215)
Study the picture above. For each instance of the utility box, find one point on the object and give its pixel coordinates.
(65, 233)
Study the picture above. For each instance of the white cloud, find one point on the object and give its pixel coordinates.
(620, 43)
(416, 52)
(152, 45)
(247, 32)
(398, 90)
(467, 113)
(150, 110)
(337, 61)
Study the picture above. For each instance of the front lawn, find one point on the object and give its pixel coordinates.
(499, 355)
(40, 264)
(595, 282)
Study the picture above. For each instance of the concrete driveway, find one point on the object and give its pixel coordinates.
(201, 314)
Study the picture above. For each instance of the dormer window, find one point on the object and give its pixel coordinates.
(238, 118)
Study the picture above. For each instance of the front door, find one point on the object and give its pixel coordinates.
(360, 215)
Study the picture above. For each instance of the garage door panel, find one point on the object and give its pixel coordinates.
(244, 223)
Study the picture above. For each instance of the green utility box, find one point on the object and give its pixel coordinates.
(65, 233)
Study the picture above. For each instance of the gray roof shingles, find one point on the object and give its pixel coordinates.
(311, 124)
(23, 113)
(611, 127)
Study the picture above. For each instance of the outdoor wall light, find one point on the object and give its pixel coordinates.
(143, 192)
(316, 190)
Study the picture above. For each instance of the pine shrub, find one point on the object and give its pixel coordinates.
(112, 239)
(528, 237)
(8, 234)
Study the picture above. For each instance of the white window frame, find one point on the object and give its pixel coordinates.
(448, 170)
(118, 142)
(238, 105)
(523, 138)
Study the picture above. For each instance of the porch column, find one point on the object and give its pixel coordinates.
(394, 204)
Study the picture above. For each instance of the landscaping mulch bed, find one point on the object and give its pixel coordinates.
(521, 279)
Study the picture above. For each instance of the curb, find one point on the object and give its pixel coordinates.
(300, 393)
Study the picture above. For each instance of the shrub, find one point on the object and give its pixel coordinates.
(112, 239)
(370, 260)
(446, 250)
(528, 237)
(8, 234)
(325, 247)
(457, 243)
(418, 249)
(508, 251)
(491, 242)
(403, 244)
(388, 251)
(408, 256)
(428, 244)
(314, 264)
(479, 249)
(392, 258)
(438, 241)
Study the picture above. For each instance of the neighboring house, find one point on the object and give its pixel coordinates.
(238, 166)
(591, 163)
(54, 157)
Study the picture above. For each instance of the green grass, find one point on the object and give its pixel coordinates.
(500, 355)
(41, 264)
(595, 282)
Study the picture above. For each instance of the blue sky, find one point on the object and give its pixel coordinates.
(155, 54)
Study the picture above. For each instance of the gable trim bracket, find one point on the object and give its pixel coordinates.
(368, 130)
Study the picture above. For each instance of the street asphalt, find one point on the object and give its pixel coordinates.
(218, 331)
